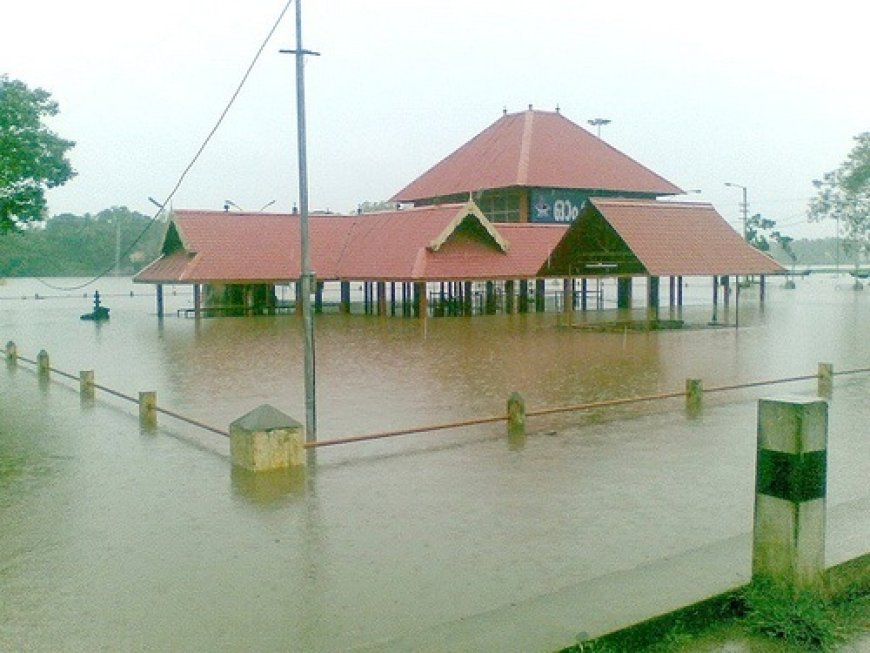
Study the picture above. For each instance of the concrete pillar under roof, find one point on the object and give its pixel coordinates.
(421, 301)
(567, 295)
(623, 292)
(490, 302)
(318, 297)
(652, 297)
(197, 300)
(524, 296)
(382, 297)
(509, 294)
(344, 296)
(468, 299)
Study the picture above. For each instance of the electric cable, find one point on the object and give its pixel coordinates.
(190, 165)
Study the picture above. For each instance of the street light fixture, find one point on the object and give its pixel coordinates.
(598, 123)
(744, 206)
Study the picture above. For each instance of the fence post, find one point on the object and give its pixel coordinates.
(267, 439)
(694, 394)
(826, 379)
(790, 489)
(148, 409)
(42, 363)
(86, 384)
(516, 409)
(11, 353)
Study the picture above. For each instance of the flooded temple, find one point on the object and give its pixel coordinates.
(532, 198)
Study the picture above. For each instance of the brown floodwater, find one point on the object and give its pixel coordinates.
(118, 539)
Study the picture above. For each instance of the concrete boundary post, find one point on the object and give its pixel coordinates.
(42, 363)
(826, 379)
(11, 353)
(694, 394)
(148, 409)
(86, 384)
(516, 410)
(790, 489)
(266, 439)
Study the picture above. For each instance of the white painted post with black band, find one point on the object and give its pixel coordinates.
(790, 489)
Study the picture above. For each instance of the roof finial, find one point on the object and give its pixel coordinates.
(530, 107)
(557, 109)
(504, 110)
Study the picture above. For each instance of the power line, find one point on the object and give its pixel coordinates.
(193, 161)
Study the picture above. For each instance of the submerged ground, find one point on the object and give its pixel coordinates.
(114, 537)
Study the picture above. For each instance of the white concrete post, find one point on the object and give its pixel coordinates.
(694, 394)
(86, 384)
(11, 353)
(826, 379)
(148, 409)
(790, 489)
(516, 409)
(42, 363)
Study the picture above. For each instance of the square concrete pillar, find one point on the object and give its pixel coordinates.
(267, 439)
(790, 490)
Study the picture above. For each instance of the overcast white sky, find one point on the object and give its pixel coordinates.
(765, 94)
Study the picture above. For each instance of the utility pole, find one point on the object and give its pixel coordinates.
(117, 246)
(306, 275)
(744, 205)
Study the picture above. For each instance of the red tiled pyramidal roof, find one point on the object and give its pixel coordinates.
(684, 238)
(662, 239)
(540, 149)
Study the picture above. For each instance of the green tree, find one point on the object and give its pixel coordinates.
(73, 245)
(758, 232)
(844, 195)
(32, 157)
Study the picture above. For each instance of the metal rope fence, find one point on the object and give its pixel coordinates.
(433, 428)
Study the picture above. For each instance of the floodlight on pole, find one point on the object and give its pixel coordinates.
(744, 206)
(598, 123)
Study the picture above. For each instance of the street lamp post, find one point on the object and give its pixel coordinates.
(598, 123)
(744, 206)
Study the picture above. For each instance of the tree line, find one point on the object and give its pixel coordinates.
(82, 245)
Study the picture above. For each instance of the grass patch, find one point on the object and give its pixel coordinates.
(765, 616)
(804, 618)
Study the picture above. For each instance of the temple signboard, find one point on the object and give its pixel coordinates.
(558, 205)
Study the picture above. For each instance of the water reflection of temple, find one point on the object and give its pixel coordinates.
(534, 197)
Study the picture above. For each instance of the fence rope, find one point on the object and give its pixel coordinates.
(135, 400)
(607, 403)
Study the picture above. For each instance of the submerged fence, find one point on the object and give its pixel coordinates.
(515, 415)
